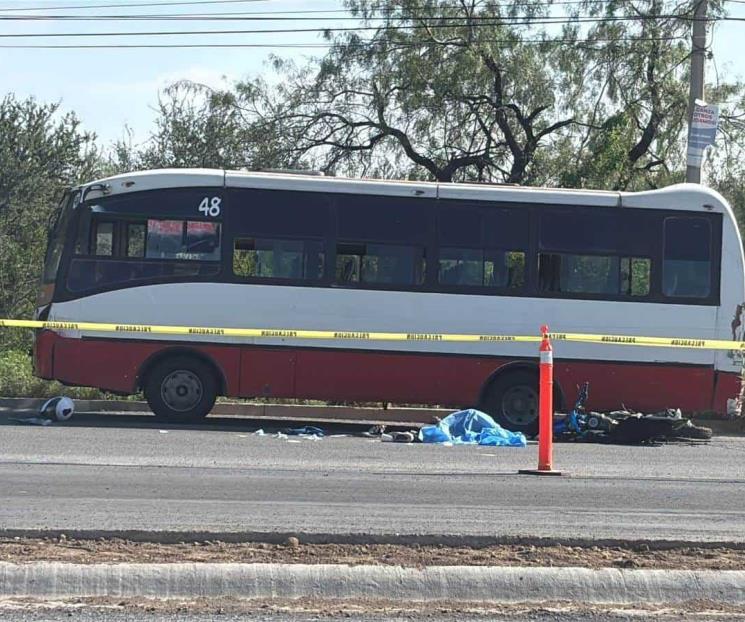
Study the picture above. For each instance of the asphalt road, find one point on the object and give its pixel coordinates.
(542, 614)
(111, 472)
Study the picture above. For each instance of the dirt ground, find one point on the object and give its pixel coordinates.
(24, 550)
(370, 610)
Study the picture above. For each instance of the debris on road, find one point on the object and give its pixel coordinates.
(32, 420)
(374, 432)
(55, 409)
(306, 431)
(471, 427)
(398, 437)
(625, 427)
(60, 408)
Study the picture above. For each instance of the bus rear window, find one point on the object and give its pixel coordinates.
(686, 272)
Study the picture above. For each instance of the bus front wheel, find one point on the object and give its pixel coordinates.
(512, 401)
(181, 389)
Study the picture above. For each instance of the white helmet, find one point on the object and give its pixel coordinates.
(61, 408)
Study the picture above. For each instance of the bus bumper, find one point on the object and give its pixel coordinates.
(43, 354)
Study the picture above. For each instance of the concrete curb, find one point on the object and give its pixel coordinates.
(383, 583)
(256, 411)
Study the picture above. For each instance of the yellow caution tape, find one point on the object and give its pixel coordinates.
(659, 342)
(261, 332)
(284, 333)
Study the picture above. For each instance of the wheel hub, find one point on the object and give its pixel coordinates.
(520, 405)
(181, 390)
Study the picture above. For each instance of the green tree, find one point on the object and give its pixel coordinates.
(635, 97)
(42, 151)
(467, 91)
(516, 92)
(725, 169)
(201, 127)
(438, 90)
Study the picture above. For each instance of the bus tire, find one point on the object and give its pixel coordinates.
(181, 389)
(511, 399)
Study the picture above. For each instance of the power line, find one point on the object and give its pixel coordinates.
(481, 24)
(235, 17)
(129, 5)
(377, 8)
(303, 16)
(401, 45)
(117, 46)
(229, 17)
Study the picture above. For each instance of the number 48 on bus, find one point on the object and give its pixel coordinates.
(210, 207)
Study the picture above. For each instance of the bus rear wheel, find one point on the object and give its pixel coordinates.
(512, 401)
(181, 389)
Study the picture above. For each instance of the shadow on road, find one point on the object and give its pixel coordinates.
(9, 417)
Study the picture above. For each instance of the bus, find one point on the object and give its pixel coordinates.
(232, 249)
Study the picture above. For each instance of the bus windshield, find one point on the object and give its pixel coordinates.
(56, 242)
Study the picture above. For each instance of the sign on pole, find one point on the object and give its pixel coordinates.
(703, 131)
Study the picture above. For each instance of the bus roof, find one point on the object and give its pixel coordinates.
(691, 197)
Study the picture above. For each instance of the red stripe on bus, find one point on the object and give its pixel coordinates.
(400, 377)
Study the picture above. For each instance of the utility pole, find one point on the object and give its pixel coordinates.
(698, 57)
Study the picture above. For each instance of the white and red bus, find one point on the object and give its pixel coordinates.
(218, 248)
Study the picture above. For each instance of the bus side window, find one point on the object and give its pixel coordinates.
(182, 240)
(686, 271)
(515, 264)
(388, 264)
(482, 247)
(635, 276)
(348, 262)
(600, 252)
(549, 267)
(103, 239)
(594, 274)
(393, 264)
(136, 234)
(481, 268)
(165, 238)
(504, 269)
(461, 266)
(278, 259)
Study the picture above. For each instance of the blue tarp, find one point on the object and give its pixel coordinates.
(471, 427)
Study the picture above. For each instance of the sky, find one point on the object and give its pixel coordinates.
(113, 89)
